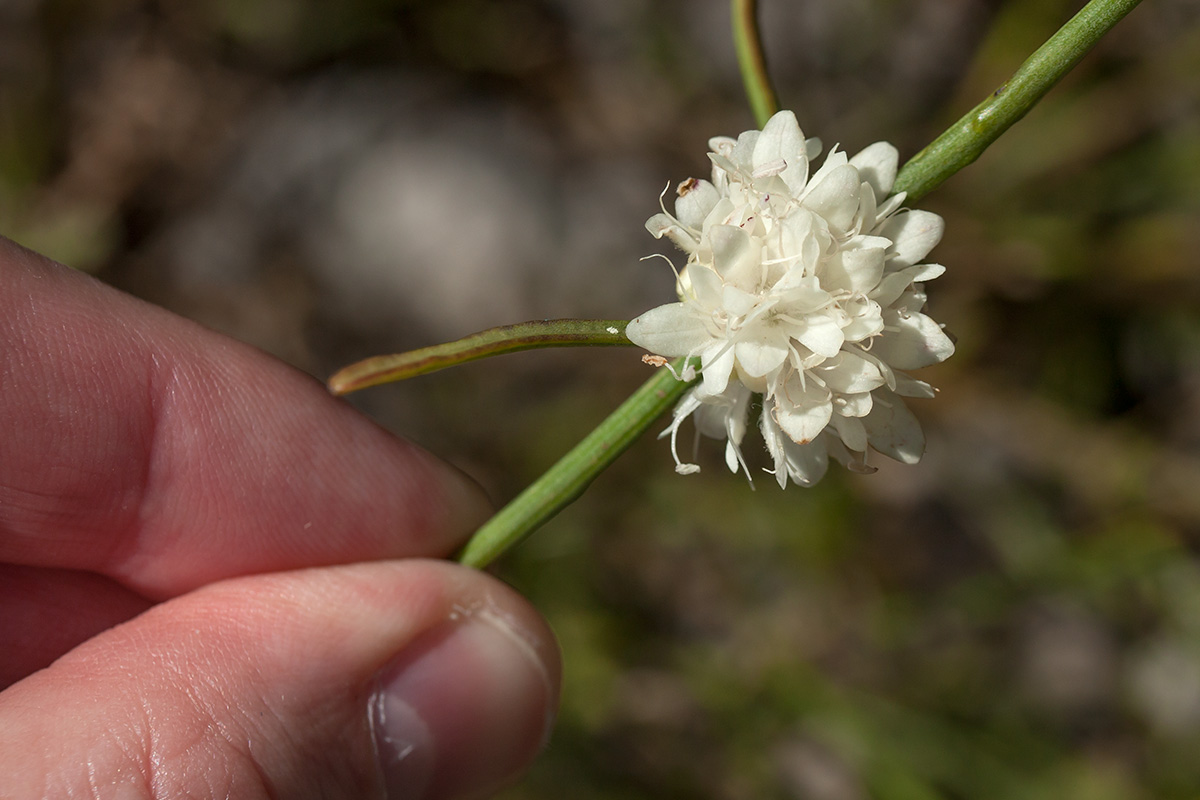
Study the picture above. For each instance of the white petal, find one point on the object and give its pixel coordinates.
(927, 272)
(908, 386)
(800, 293)
(912, 342)
(851, 431)
(724, 416)
(696, 199)
(804, 464)
(738, 413)
(742, 154)
(867, 205)
(710, 418)
(781, 140)
(863, 327)
(852, 460)
(802, 413)
(835, 197)
(797, 240)
(889, 206)
(876, 165)
(738, 303)
(670, 330)
(855, 270)
(913, 233)
(757, 358)
(866, 319)
(661, 225)
(723, 166)
(853, 405)
(850, 373)
(706, 286)
(866, 241)
(835, 159)
(717, 364)
(911, 302)
(895, 283)
(821, 334)
(733, 456)
(721, 144)
(734, 254)
(893, 430)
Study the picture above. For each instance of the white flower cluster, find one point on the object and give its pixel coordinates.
(806, 290)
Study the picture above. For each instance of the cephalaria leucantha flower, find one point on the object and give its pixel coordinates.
(806, 290)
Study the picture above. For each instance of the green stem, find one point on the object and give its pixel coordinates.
(492, 342)
(567, 479)
(982, 125)
(753, 64)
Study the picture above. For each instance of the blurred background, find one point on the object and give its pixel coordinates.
(1016, 617)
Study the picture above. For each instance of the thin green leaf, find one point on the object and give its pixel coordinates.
(491, 342)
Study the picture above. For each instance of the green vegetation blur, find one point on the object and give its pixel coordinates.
(1016, 617)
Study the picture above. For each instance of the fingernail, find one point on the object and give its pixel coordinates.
(461, 711)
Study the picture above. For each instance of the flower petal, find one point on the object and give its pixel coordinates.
(854, 270)
(716, 364)
(835, 159)
(893, 285)
(835, 197)
(851, 431)
(739, 303)
(805, 464)
(908, 386)
(696, 199)
(927, 272)
(706, 287)
(797, 241)
(893, 430)
(734, 255)
(912, 341)
(724, 417)
(863, 326)
(877, 165)
(661, 225)
(782, 141)
(802, 412)
(742, 154)
(721, 144)
(820, 333)
(669, 330)
(853, 405)
(761, 356)
(913, 233)
(849, 373)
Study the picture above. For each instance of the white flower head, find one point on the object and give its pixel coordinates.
(805, 289)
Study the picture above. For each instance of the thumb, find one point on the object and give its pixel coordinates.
(406, 679)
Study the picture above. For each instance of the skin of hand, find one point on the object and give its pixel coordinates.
(218, 581)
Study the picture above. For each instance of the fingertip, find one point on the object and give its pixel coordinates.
(339, 682)
(463, 710)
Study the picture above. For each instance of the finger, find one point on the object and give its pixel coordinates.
(148, 449)
(46, 612)
(419, 677)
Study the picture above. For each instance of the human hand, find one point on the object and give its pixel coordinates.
(214, 578)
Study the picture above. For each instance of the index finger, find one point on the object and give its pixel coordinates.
(141, 446)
